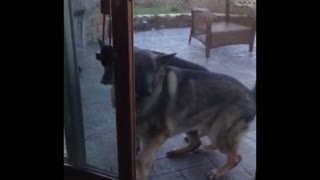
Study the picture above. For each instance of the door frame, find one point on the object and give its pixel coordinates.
(124, 93)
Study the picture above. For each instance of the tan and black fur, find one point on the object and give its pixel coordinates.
(191, 102)
(172, 100)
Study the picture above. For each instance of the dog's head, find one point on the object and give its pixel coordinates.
(147, 66)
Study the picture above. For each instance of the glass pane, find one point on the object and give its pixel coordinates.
(98, 112)
(166, 26)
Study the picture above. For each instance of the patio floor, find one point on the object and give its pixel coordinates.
(99, 117)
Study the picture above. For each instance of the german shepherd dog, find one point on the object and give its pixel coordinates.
(171, 100)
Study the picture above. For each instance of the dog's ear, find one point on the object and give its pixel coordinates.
(164, 59)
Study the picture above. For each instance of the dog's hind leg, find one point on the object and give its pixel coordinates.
(194, 143)
(228, 142)
(228, 147)
(233, 159)
(146, 157)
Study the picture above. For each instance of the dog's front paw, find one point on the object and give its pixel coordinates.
(212, 174)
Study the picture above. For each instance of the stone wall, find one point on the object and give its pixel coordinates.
(92, 19)
(93, 24)
(152, 22)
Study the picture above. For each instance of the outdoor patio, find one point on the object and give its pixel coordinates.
(99, 117)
